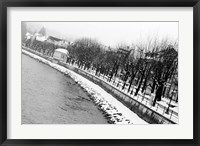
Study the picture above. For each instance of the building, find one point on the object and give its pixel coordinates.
(28, 36)
(57, 41)
(60, 55)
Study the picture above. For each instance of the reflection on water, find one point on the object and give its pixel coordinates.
(50, 97)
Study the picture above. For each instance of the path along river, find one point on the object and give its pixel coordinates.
(50, 97)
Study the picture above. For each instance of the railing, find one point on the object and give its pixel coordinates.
(159, 108)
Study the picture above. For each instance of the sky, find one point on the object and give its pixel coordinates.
(110, 33)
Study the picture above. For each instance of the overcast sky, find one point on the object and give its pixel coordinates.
(110, 33)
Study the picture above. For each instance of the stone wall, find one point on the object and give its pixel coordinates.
(140, 109)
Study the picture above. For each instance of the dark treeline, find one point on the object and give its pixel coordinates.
(143, 68)
(153, 66)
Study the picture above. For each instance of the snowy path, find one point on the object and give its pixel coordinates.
(160, 107)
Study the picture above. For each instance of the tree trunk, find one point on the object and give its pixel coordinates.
(131, 81)
(138, 79)
(107, 72)
(144, 85)
(158, 94)
(146, 79)
(126, 77)
(160, 91)
(116, 70)
(97, 69)
(138, 88)
(112, 73)
(153, 86)
(164, 90)
(141, 80)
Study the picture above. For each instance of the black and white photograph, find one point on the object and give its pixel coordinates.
(99, 72)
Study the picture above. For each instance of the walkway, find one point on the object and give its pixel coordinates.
(160, 107)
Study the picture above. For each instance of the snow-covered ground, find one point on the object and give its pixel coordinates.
(114, 110)
(160, 106)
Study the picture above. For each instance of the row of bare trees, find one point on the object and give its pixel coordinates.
(143, 67)
(146, 67)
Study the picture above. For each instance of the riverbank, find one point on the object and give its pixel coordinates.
(114, 110)
(49, 97)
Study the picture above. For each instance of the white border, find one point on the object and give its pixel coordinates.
(183, 130)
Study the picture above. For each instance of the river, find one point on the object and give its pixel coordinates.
(50, 97)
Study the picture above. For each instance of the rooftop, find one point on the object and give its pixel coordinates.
(62, 50)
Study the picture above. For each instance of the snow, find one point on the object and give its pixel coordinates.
(41, 38)
(114, 110)
(146, 100)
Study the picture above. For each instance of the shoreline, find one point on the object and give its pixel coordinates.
(114, 111)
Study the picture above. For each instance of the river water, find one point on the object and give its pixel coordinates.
(50, 97)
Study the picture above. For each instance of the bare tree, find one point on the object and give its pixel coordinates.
(86, 50)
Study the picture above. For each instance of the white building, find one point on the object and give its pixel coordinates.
(28, 36)
(60, 55)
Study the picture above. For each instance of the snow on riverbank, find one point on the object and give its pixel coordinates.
(114, 110)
